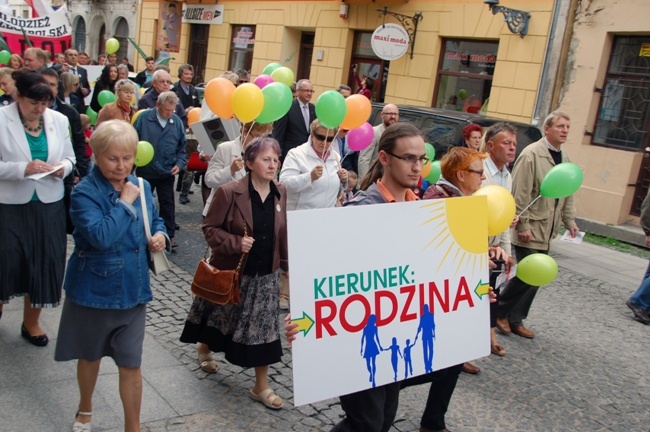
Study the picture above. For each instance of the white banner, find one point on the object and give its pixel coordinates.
(386, 292)
(202, 14)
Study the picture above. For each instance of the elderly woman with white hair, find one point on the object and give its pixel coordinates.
(107, 278)
(121, 109)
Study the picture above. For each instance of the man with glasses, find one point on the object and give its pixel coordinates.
(161, 82)
(292, 130)
(389, 116)
(539, 224)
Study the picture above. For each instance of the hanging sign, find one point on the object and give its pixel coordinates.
(390, 41)
(202, 14)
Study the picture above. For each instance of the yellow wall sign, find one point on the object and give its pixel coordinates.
(645, 50)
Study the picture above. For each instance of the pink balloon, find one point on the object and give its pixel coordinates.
(361, 137)
(263, 80)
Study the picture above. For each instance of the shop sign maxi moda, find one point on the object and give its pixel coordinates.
(390, 41)
(386, 292)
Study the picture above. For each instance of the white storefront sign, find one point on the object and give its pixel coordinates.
(202, 14)
(390, 41)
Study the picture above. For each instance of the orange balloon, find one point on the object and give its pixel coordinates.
(193, 115)
(358, 111)
(426, 169)
(218, 96)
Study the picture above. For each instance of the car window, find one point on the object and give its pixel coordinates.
(441, 134)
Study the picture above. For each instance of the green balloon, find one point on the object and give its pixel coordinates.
(268, 70)
(434, 174)
(331, 109)
(143, 154)
(562, 180)
(93, 115)
(105, 97)
(277, 101)
(537, 269)
(283, 75)
(462, 94)
(429, 151)
(4, 57)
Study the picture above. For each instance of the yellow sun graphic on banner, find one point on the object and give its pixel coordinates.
(459, 232)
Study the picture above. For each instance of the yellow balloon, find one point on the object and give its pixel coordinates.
(501, 208)
(135, 116)
(247, 102)
(142, 90)
(426, 169)
(358, 111)
(218, 95)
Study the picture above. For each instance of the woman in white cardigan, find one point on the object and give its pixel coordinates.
(34, 140)
(312, 173)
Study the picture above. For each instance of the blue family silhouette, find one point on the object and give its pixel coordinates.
(371, 346)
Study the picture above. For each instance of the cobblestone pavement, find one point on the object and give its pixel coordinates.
(586, 369)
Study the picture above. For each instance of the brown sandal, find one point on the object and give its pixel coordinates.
(498, 350)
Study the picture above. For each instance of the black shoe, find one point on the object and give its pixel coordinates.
(174, 244)
(191, 192)
(183, 199)
(40, 340)
(177, 227)
(639, 313)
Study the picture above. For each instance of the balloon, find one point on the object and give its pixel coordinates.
(135, 116)
(4, 57)
(284, 75)
(263, 80)
(112, 46)
(537, 269)
(331, 109)
(143, 154)
(462, 94)
(218, 95)
(247, 102)
(429, 151)
(105, 97)
(501, 208)
(562, 180)
(93, 115)
(277, 101)
(361, 137)
(434, 174)
(358, 111)
(426, 169)
(193, 115)
(270, 68)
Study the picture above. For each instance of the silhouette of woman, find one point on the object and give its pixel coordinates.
(372, 346)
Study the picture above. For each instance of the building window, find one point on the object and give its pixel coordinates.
(368, 65)
(624, 115)
(465, 77)
(241, 48)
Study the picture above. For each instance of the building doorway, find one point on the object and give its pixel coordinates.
(368, 65)
(198, 52)
(305, 56)
(122, 34)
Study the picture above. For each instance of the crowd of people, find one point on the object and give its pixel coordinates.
(59, 174)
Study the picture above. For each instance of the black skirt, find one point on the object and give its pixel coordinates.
(248, 333)
(32, 252)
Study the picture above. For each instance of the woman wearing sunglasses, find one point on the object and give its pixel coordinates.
(312, 172)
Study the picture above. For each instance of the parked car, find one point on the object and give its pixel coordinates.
(444, 128)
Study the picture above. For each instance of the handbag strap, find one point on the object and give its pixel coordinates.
(241, 259)
(145, 213)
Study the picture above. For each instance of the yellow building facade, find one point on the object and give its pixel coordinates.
(335, 43)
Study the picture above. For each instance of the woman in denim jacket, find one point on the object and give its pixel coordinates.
(107, 278)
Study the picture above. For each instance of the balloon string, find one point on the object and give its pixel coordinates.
(528, 206)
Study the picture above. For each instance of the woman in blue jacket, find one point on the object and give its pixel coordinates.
(107, 278)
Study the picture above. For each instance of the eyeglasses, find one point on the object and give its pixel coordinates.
(242, 81)
(320, 137)
(391, 114)
(476, 171)
(306, 91)
(410, 158)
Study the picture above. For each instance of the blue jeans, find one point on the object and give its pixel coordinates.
(641, 297)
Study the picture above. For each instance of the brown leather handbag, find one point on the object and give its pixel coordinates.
(217, 286)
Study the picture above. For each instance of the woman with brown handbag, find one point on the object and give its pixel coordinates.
(247, 216)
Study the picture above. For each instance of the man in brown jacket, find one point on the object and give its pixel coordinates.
(539, 224)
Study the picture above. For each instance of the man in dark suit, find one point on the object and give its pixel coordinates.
(292, 130)
(71, 65)
(82, 167)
